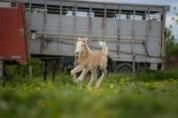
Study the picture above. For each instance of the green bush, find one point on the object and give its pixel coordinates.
(22, 70)
(159, 75)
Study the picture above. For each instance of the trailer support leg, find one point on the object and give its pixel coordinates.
(1, 68)
(30, 71)
(45, 70)
(134, 66)
(54, 70)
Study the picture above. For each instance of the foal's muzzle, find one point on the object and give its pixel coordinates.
(76, 53)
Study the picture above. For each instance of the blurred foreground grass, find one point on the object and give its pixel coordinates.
(147, 95)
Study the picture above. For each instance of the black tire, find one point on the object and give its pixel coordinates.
(124, 68)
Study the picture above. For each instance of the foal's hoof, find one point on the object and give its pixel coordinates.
(97, 87)
(75, 81)
(88, 87)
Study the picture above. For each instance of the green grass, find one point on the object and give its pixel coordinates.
(120, 96)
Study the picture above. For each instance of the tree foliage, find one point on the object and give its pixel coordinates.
(171, 44)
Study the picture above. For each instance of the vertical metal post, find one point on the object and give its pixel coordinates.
(133, 43)
(29, 19)
(119, 32)
(163, 37)
(147, 14)
(75, 30)
(1, 68)
(146, 33)
(90, 22)
(44, 26)
(149, 22)
(75, 23)
(54, 69)
(30, 71)
(45, 73)
(104, 23)
(60, 26)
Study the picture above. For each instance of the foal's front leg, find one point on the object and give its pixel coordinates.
(73, 73)
(81, 77)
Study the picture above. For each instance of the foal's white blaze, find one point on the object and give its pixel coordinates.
(79, 47)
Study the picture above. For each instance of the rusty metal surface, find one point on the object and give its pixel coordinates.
(13, 41)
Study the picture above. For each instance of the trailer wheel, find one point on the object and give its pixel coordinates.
(124, 68)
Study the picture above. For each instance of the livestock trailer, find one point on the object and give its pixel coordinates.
(134, 33)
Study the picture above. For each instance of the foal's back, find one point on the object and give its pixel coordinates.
(98, 58)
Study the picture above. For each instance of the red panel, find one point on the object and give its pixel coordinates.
(13, 41)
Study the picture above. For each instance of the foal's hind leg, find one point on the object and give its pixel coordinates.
(81, 77)
(104, 72)
(93, 77)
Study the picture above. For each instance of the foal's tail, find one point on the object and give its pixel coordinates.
(104, 47)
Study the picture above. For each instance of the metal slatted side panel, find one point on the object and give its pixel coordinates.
(96, 31)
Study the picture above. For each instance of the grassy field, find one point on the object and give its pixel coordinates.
(148, 95)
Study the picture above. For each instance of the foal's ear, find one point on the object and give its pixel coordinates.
(85, 39)
(79, 38)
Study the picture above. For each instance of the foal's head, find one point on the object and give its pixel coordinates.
(81, 45)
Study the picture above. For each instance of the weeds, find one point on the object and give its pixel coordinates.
(148, 95)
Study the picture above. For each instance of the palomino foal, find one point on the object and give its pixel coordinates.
(89, 60)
